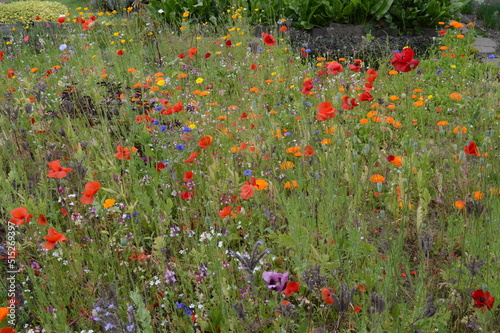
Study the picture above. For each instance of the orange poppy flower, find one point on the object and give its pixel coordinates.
(205, 142)
(460, 204)
(7, 330)
(20, 216)
(56, 170)
(247, 191)
(260, 184)
(3, 313)
(377, 178)
(52, 238)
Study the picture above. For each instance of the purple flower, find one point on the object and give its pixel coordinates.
(275, 281)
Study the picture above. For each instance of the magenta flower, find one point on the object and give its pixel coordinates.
(275, 281)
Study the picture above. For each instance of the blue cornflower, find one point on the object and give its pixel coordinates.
(247, 172)
(179, 147)
(163, 128)
(156, 122)
(186, 129)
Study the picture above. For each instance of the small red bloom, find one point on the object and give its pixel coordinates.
(229, 43)
(325, 111)
(348, 104)
(188, 176)
(334, 68)
(365, 97)
(20, 216)
(308, 86)
(291, 287)
(119, 52)
(42, 220)
(10, 73)
(226, 211)
(91, 189)
(471, 149)
(483, 299)
(61, 20)
(187, 195)
(268, 39)
(57, 171)
(205, 142)
(53, 238)
(327, 295)
(403, 61)
(191, 158)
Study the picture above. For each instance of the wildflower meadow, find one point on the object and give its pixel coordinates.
(194, 177)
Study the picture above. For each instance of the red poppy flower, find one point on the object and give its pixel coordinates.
(188, 176)
(57, 171)
(247, 191)
(291, 287)
(365, 97)
(91, 189)
(308, 86)
(283, 28)
(334, 68)
(205, 142)
(53, 238)
(325, 111)
(268, 39)
(61, 20)
(403, 61)
(7, 330)
(119, 52)
(348, 104)
(207, 55)
(160, 166)
(20, 216)
(483, 299)
(1, 55)
(192, 157)
(89, 24)
(10, 73)
(309, 151)
(326, 293)
(471, 149)
(229, 43)
(356, 67)
(181, 56)
(186, 195)
(225, 212)
(42, 220)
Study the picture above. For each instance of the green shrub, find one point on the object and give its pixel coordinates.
(414, 15)
(25, 12)
(490, 14)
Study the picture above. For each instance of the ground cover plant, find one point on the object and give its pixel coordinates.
(195, 178)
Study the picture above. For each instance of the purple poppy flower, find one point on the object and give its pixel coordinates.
(275, 281)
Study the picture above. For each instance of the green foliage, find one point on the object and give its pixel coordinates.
(25, 12)
(490, 14)
(414, 15)
(202, 11)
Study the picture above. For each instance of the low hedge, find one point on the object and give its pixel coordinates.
(25, 12)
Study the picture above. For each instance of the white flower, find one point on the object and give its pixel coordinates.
(160, 11)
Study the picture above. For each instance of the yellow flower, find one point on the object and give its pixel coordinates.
(186, 14)
(199, 80)
(286, 165)
(108, 203)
